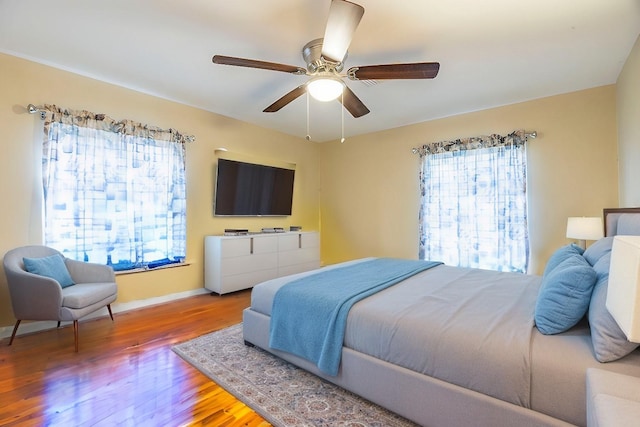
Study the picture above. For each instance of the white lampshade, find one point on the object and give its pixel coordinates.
(623, 292)
(585, 228)
(325, 88)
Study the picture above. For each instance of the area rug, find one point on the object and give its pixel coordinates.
(281, 393)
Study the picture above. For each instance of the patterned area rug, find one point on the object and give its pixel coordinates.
(281, 393)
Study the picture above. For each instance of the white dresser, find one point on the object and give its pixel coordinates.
(232, 263)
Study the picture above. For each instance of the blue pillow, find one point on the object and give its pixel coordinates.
(602, 267)
(52, 266)
(564, 295)
(598, 249)
(608, 340)
(560, 255)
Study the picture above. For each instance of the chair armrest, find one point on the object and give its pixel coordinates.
(23, 286)
(87, 272)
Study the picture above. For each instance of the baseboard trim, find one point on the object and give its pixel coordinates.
(31, 327)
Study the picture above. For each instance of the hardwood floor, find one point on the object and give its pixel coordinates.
(125, 373)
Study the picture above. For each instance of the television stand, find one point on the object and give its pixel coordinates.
(233, 263)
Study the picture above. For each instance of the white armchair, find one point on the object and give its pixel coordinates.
(37, 297)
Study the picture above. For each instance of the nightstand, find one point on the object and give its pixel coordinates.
(613, 400)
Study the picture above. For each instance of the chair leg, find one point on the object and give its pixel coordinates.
(58, 324)
(15, 329)
(75, 333)
(110, 313)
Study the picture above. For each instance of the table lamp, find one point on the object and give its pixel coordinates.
(584, 228)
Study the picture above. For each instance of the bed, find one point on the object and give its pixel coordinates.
(475, 355)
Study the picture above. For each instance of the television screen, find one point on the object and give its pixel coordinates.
(249, 189)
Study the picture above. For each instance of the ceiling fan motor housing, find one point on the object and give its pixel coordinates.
(312, 55)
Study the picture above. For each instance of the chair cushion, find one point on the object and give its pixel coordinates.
(85, 294)
(51, 266)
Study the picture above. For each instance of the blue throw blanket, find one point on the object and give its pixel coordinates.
(309, 315)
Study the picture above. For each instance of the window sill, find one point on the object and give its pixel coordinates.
(144, 270)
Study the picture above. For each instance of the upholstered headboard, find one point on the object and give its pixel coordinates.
(621, 221)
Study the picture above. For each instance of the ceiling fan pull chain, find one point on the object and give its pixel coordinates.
(342, 113)
(308, 137)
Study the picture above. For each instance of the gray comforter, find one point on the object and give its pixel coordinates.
(454, 324)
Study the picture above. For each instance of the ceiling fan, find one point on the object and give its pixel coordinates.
(325, 61)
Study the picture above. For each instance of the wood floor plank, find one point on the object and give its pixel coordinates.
(124, 373)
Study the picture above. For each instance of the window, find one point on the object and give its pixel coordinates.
(114, 192)
(473, 209)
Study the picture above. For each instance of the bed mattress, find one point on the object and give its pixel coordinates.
(472, 328)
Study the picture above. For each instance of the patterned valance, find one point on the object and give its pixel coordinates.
(515, 138)
(82, 118)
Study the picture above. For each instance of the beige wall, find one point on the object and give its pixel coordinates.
(23, 82)
(369, 195)
(628, 110)
(367, 187)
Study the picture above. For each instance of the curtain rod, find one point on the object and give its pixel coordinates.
(33, 109)
(532, 134)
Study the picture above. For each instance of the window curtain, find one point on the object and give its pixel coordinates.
(114, 191)
(473, 210)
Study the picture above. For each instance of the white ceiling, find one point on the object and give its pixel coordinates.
(492, 52)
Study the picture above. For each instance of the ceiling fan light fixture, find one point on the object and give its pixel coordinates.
(325, 88)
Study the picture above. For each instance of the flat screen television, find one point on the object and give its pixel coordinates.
(249, 189)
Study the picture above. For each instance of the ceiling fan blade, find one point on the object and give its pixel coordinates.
(286, 99)
(343, 20)
(418, 70)
(253, 63)
(352, 103)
